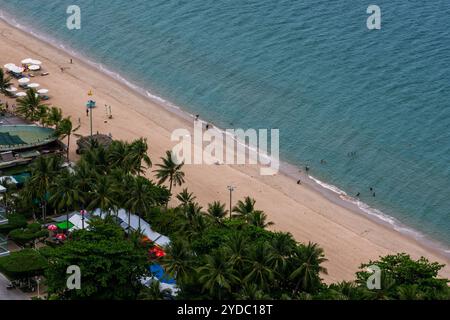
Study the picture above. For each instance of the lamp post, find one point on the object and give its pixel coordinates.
(90, 105)
(38, 280)
(231, 189)
(83, 213)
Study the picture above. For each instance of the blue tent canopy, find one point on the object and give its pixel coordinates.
(158, 272)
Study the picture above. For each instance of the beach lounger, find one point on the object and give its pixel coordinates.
(44, 74)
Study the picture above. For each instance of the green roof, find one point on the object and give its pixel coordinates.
(63, 225)
(13, 137)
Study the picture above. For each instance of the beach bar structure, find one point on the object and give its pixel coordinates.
(21, 144)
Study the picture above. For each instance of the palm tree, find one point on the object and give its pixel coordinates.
(84, 178)
(185, 197)
(409, 292)
(217, 210)
(54, 116)
(5, 82)
(244, 208)
(217, 275)
(178, 261)
(282, 246)
(43, 173)
(65, 129)
(307, 260)
(97, 158)
(137, 154)
(258, 218)
(170, 170)
(236, 250)
(65, 193)
(261, 273)
(117, 153)
(154, 292)
(250, 291)
(140, 198)
(30, 106)
(103, 195)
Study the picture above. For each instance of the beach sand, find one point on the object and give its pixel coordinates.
(348, 238)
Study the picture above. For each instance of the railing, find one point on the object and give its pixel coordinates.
(3, 246)
(3, 218)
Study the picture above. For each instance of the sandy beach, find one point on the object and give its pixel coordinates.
(348, 238)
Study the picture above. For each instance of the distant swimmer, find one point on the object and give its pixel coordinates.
(306, 168)
(196, 117)
(373, 194)
(358, 194)
(323, 161)
(371, 189)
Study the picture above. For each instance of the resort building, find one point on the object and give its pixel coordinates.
(3, 241)
(21, 143)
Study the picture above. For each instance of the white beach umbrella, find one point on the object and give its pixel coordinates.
(42, 91)
(9, 66)
(34, 67)
(34, 85)
(23, 80)
(38, 62)
(11, 89)
(27, 61)
(21, 94)
(16, 69)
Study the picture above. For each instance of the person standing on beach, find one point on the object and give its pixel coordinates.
(71, 62)
(87, 112)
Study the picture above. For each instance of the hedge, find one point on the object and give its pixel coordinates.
(23, 264)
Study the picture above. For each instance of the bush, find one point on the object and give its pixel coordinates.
(15, 221)
(29, 234)
(23, 264)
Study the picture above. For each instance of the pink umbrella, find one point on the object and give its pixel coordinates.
(61, 236)
(52, 227)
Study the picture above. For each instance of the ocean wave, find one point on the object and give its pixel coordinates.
(381, 217)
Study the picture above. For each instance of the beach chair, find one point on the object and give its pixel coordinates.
(44, 74)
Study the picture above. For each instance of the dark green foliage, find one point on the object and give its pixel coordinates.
(15, 221)
(24, 236)
(23, 264)
(406, 278)
(110, 264)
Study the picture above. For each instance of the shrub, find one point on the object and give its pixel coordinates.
(15, 221)
(29, 234)
(23, 264)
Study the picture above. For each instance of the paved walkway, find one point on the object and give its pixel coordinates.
(13, 294)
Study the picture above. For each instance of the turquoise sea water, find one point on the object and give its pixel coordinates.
(374, 104)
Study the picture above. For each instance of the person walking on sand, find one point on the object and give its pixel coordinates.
(71, 61)
(87, 112)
